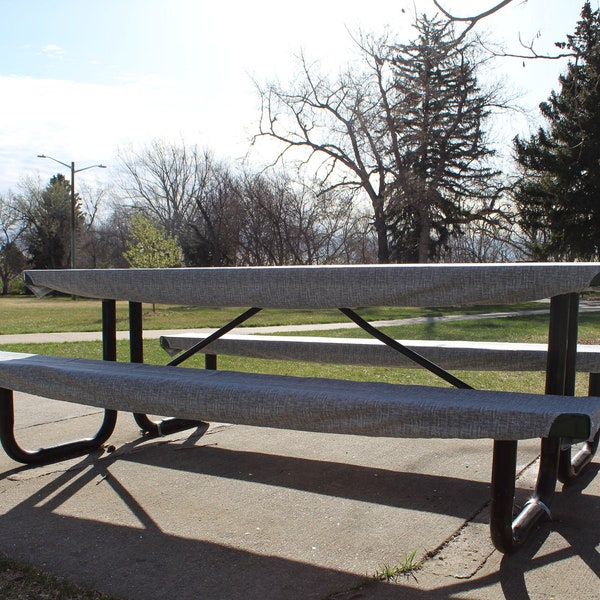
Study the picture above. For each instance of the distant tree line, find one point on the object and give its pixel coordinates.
(389, 162)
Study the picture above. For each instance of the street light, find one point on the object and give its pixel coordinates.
(73, 171)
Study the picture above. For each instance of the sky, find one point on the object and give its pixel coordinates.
(81, 80)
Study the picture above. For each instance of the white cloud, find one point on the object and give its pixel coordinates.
(89, 122)
(53, 51)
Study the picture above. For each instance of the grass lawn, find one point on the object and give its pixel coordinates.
(26, 314)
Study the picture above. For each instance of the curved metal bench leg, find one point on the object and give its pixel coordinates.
(509, 533)
(164, 426)
(47, 454)
(569, 469)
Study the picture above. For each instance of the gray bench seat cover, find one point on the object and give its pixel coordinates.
(468, 356)
(309, 404)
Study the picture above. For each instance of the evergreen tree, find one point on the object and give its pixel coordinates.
(47, 218)
(439, 123)
(558, 196)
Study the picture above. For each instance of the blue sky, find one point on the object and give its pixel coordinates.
(81, 79)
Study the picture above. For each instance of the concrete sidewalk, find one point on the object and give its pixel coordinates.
(233, 512)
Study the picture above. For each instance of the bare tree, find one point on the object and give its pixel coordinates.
(110, 237)
(90, 243)
(212, 236)
(286, 222)
(528, 46)
(166, 180)
(185, 190)
(404, 129)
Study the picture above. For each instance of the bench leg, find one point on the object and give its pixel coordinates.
(569, 469)
(509, 533)
(162, 427)
(47, 454)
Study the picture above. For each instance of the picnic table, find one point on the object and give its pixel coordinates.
(556, 418)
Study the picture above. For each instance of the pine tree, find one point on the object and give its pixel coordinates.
(558, 196)
(47, 217)
(439, 123)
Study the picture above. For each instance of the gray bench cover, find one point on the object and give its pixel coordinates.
(468, 356)
(325, 286)
(310, 404)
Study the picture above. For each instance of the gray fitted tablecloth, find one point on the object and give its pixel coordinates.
(325, 286)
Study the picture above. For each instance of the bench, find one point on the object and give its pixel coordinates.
(455, 355)
(329, 405)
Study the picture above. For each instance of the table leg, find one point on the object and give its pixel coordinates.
(136, 351)
(508, 533)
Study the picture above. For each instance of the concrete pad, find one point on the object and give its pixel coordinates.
(242, 512)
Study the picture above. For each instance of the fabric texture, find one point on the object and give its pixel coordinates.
(309, 404)
(325, 286)
(467, 356)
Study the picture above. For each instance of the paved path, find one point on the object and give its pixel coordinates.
(38, 338)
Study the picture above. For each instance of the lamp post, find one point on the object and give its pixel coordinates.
(73, 171)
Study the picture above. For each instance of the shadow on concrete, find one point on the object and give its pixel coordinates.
(148, 563)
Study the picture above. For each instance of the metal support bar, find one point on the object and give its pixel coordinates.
(504, 466)
(555, 461)
(414, 356)
(109, 330)
(213, 336)
(559, 331)
(136, 353)
(210, 362)
(561, 373)
(570, 468)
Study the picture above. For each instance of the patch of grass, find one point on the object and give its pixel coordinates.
(19, 581)
(406, 568)
(518, 328)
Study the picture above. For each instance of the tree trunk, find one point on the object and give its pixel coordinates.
(424, 239)
(383, 250)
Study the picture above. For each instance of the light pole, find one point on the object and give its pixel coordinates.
(73, 171)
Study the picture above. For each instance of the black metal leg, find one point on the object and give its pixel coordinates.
(69, 449)
(560, 376)
(136, 351)
(508, 533)
(570, 468)
(47, 454)
(210, 362)
(504, 467)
